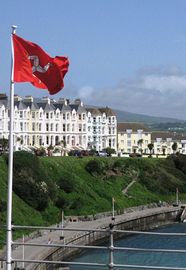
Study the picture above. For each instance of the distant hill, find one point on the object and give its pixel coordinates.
(123, 116)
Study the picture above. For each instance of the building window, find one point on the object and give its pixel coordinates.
(33, 140)
(128, 143)
(47, 127)
(64, 127)
(47, 115)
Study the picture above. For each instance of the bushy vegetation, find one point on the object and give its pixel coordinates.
(43, 186)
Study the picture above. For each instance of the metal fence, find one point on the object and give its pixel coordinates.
(85, 239)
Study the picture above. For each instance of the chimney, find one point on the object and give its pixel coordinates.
(46, 99)
(28, 99)
(17, 98)
(3, 97)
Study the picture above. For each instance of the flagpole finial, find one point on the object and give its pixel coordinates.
(14, 27)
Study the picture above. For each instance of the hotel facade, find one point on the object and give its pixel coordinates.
(46, 122)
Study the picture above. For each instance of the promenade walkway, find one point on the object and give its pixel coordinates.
(52, 236)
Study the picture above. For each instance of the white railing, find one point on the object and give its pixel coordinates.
(86, 239)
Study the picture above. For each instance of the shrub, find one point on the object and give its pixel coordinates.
(95, 166)
(119, 164)
(66, 184)
(3, 205)
(28, 181)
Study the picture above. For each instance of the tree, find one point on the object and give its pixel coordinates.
(4, 144)
(150, 146)
(140, 142)
(109, 151)
(63, 143)
(174, 147)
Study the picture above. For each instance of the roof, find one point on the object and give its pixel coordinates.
(20, 105)
(78, 108)
(124, 126)
(62, 106)
(94, 111)
(45, 106)
(31, 105)
(165, 135)
(108, 111)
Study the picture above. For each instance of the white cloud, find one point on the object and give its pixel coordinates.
(85, 92)
(154, 91)
(165, 83)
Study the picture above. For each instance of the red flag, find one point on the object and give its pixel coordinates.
(32, 64)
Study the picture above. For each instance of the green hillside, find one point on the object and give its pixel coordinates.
(43, 186)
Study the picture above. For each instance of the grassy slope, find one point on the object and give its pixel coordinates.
(156, 179)
(22, 213)
(93, 193)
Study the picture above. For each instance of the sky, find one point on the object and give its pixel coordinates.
(126, 54)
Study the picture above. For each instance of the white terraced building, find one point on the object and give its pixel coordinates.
(102, 128)
(45, 122)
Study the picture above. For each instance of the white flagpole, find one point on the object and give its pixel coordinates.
(10, 164)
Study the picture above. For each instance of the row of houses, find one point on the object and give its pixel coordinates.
(46, 122)
(136, 138)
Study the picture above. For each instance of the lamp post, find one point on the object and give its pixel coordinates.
(62, 225)
(177, 200)
(113, 208)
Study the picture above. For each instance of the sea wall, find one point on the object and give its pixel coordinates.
(139, 222)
